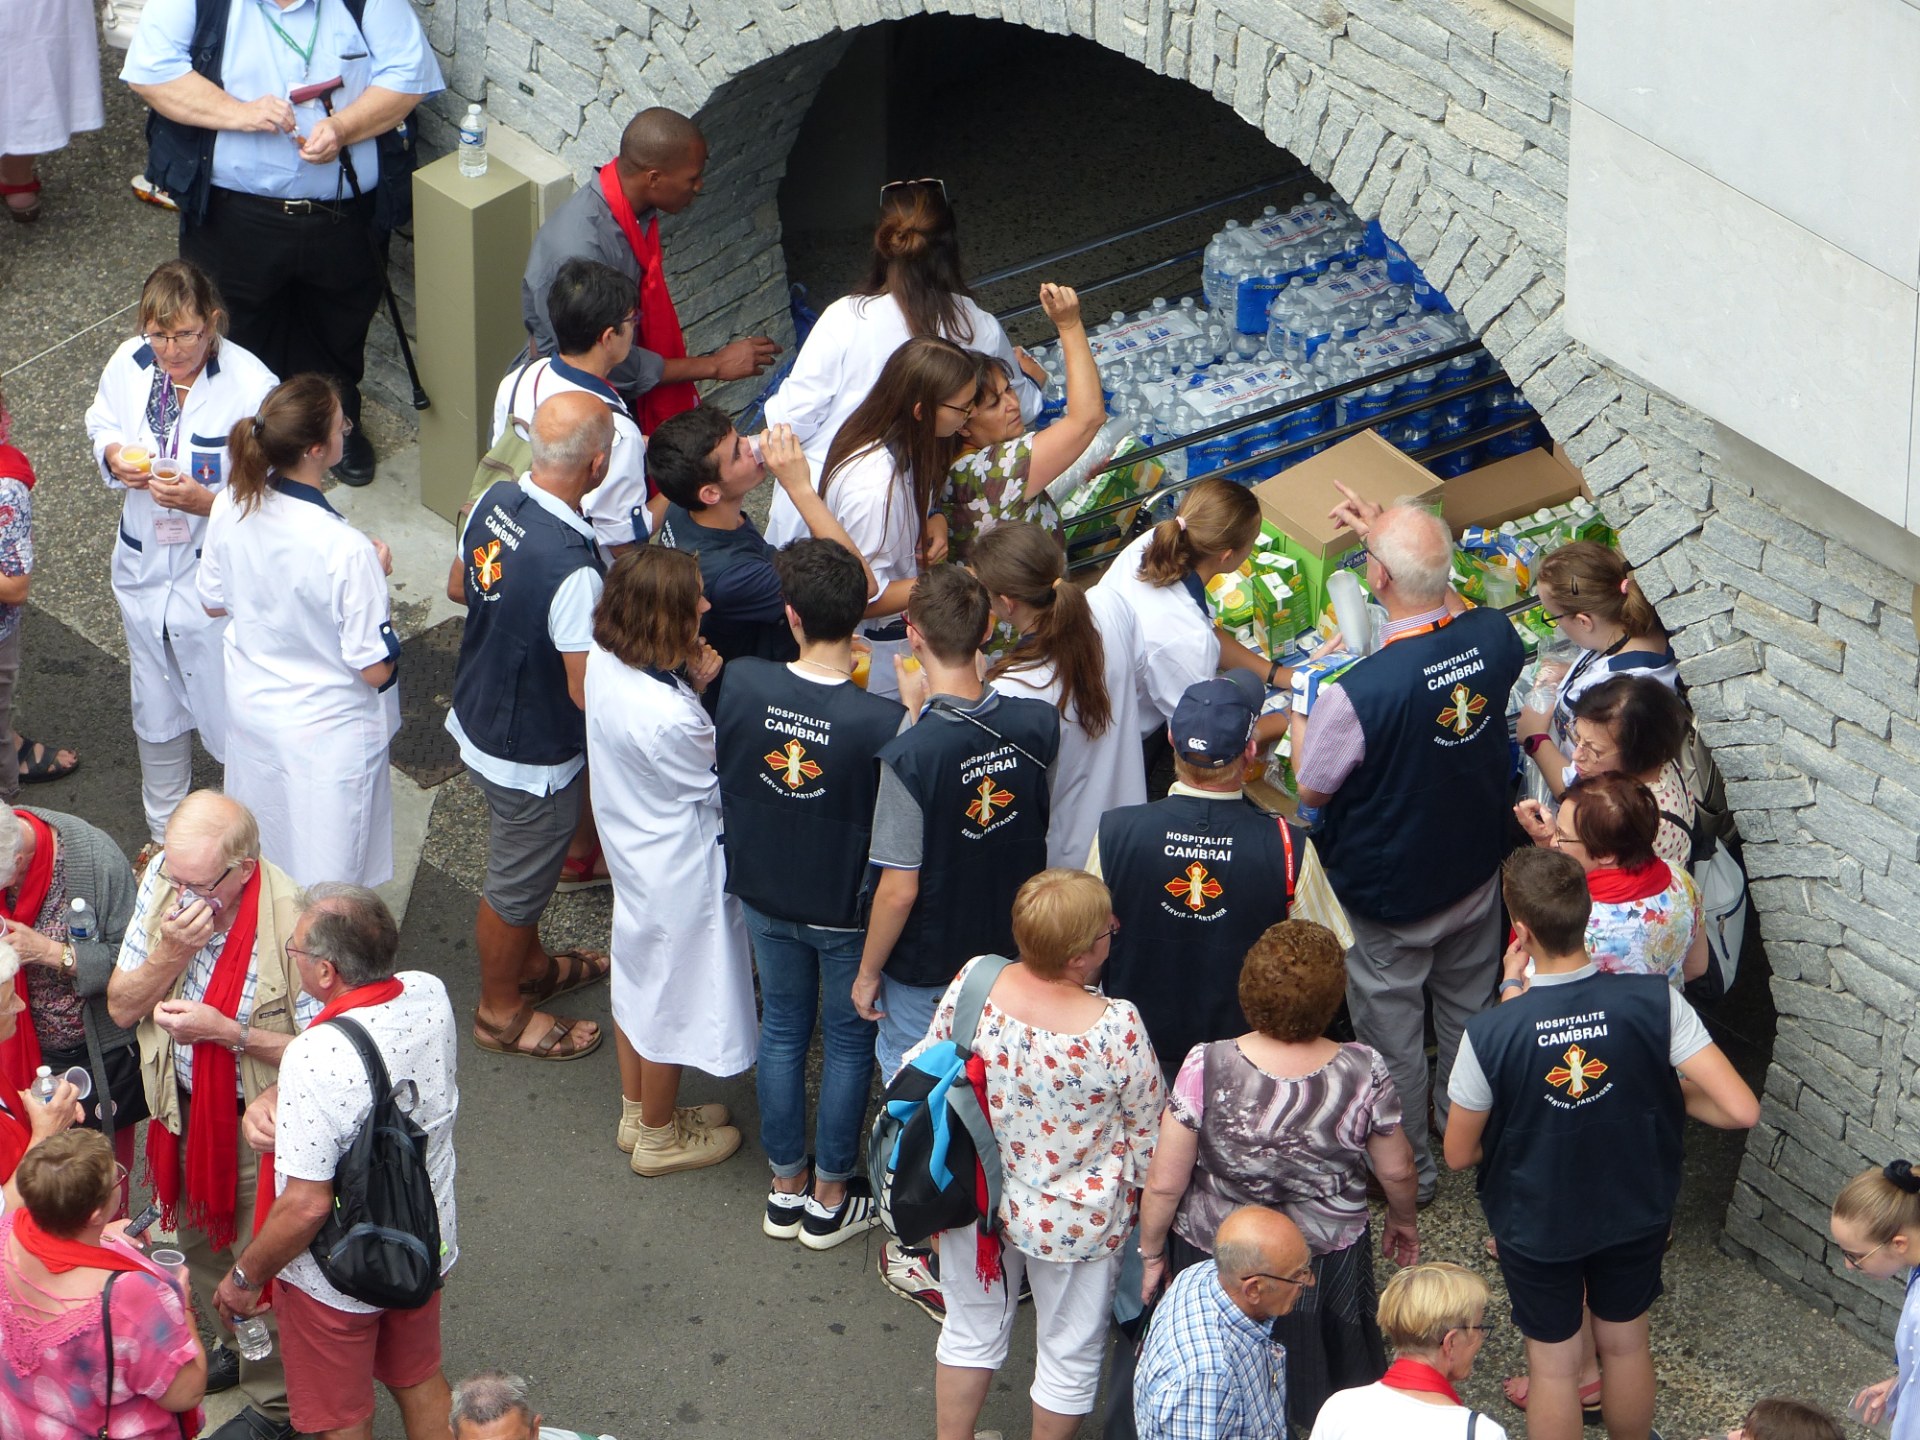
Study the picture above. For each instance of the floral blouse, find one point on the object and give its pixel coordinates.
(985, 487)
(1076, 1117)
(1650, 936)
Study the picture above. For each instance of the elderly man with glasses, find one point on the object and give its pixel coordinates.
(1211, 1369)
(206, 976)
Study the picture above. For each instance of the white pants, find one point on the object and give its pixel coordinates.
(1072, 1303)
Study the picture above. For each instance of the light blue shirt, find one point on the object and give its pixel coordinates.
(392, 54)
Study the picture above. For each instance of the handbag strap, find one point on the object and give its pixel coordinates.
(972, 999)
(106, 1330)
(1473, 1422)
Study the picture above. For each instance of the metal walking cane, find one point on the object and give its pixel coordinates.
(322, 91)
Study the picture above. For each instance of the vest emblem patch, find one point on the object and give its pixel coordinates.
(987, 798)
(791, 764)
(1459, 717)
(486, 564)
(1195, 887)
(1578, 1073)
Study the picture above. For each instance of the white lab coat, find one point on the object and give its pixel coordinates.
(845, 352)
(307, 740)
(1176, 644)
(155, 582)
(682, 969)
(609, 506)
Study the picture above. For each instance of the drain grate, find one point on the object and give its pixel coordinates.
(422, 749)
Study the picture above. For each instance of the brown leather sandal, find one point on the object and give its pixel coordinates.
(557, 1044)
(588, 967)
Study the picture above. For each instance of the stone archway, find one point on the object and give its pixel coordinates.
(1450, 120)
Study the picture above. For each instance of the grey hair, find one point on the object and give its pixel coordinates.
(352, 929)
(1417, 549)
(12, 843)
(558, 449)
(490, 1395)
(1237, 1259)
(9, 962)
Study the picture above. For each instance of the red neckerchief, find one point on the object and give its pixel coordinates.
(212, 1171)
(20, 1054)
(14, 465)
(60, 1255)
(1406, 1374)
(1612, 886)
(659, 322)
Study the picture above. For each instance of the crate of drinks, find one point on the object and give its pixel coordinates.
(1123, 480)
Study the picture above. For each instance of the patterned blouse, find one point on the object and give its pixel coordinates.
(16, 542)
(1076, 1117)
(1649, 936)
(1298, 1143)
(985, 487)
(59, 1014)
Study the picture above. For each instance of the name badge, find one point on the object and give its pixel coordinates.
(172, 529)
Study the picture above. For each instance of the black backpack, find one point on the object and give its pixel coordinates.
(380, 1245)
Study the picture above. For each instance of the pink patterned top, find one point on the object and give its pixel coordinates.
(1076, 1117)
(50, 1385)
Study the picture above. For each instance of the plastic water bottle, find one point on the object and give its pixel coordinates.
(250, 1334)
(473, 143)
(44, 1085)
(81, 924)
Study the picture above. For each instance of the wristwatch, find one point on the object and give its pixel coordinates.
(67, 961)
(240, 1281)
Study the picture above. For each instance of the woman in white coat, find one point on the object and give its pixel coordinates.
(312, 658)
(168, 397)
(682, 972)
(914, 287)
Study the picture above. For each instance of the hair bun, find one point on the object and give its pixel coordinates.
(1900, 1173)
(903, 235)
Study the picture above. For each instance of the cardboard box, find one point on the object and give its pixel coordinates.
(1297, 502)
(1511, 489)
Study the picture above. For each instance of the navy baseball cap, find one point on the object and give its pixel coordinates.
(1214, 719)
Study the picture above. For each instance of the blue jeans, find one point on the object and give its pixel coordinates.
(802, 966)
(909, 1011)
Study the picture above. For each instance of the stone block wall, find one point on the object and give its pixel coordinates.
(1447, 119)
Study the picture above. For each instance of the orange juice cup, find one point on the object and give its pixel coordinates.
(137, 457)
(909, 664)
(167, 467)
(862, 662)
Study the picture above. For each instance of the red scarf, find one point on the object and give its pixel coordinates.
(20, 1053)
(213, 1128)
(1406, 1374)
(15, 1136)
(1611, 886)
(60, 1255)
(986, 1258)
(659, 322)
(375, 992)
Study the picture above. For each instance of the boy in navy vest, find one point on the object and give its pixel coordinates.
(1570, 1095)
(960, 822)
(1196, 877)
(796, 748)
(1408, 755)
(706, 468)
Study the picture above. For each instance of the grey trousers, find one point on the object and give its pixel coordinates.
(1452, 956)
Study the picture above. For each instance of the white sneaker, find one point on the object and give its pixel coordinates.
(822, 1229)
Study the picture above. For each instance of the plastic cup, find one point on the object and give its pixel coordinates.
(862, 666)
(167, 1259)
(167, 467)
(136, 456)
(81, 1079)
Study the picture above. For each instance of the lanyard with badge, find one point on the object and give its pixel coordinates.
(313, 40)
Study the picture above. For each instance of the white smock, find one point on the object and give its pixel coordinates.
(1090, 776)
(307, 738)
(154, 580)
(682, 969)
(610, 506)
(873, 502)
(1175, 645)
(845, 352)
(52, 89)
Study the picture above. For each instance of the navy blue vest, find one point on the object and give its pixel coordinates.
(798, 777)
(1421, 822)
(510, 686)
(984, 806)
(1582, 1148)
(1195, 882)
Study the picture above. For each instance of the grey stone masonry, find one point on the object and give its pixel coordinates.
(1449, 120)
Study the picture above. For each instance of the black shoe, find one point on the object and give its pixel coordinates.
(250, 1424)
(223, 1369)
(356, 460)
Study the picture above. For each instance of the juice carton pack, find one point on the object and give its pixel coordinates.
(1128, 481)
(1311, 675)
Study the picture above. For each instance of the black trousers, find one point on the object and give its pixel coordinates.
(300, 290)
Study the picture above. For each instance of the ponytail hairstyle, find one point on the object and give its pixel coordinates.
(1591, 579)
(916, 260)
(1024, 562)
(921, 374)
(1883, 1202)
(1216, 517)
(296, 416)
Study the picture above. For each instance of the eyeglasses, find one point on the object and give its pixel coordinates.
(1477, 1329)
(1553, 620)
(1107, 934)
(296, 950)
(1303, 1277)
(923, 180)
(167, 875)
(1857, 1258)
(181, 337)
(346, 425)
(1561, 840)
(965, 412)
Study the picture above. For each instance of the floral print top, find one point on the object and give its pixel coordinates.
(1076, 1117)
(1649, 936)
(987, 486)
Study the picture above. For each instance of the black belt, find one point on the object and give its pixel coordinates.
(897, 630)
(330, 209)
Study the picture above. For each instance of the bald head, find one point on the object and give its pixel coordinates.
(1254, 1249)
(569, 431)
(1416, 549)
(658, 139)
(206, 818)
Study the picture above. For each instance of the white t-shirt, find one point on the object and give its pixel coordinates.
(1470, 1088)
(325, 1098)
(1176, 646)
(609, 506)
(874, 501)
(1373, 1412)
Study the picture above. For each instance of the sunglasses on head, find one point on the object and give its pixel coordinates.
(923, 180)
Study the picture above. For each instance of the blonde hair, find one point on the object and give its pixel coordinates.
(1057, 915)
(177, 289)
(1423, 1302)
(210, 815)
(1216, 517)
(1883, 1201)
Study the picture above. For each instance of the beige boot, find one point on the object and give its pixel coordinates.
(681, 1146)
(704, 1117)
